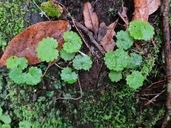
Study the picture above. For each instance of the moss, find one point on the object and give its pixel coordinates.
(12, 20)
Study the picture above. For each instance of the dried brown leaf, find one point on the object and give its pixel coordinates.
(102, 31)
(107, 41)
(25, 43)
(90, 18)
(143, 8)
(153, 5)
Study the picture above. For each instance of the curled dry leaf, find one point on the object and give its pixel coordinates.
(143, 8)
(25, 43)
(90, 18)
(107, 41)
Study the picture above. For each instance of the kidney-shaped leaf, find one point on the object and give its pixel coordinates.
(25, 43)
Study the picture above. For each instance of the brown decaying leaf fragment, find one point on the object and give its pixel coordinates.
(102, 31)
(90, 18)
(144, 8)
(107, 41)
(141, 10)
(25, 43)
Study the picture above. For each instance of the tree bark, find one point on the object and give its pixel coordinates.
(166, 37)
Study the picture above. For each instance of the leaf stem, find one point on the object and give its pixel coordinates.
(58, 66)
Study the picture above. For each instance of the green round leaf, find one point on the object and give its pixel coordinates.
(17, 76)
(72, 42)
(24, 124)
(15, 62)
(116, 60)
(68, 76)
(135, 61)
(124, 40)
(115, 76)
(6, 119)
(135, 80)
(141, 30)
(1, 111)
(82, 62)
(5, 126)
(66, 56)
(46, 49)
(33, 77)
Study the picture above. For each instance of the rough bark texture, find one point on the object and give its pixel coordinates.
(166, 37)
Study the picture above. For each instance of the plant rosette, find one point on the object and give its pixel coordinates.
(46, 45)
(82, 62)
(135, 80)
(116, 60)
(141, 30)
(67, 75)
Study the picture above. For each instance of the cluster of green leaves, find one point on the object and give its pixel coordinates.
(32, 76)
(121, 58)
(17, 67)
(12, 20)
(51, 9)
(71, 46)
(6, 120)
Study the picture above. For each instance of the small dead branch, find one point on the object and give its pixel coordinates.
(90, 34)
(123, 15)
(41, 10)
(80, 33)
(154, 98)
(159, 82)
(80, 26)
(70, 98)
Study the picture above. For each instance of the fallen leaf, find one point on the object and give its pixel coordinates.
(141, 10)
(153, 5)
(90, 18)
(25, 43)
(107, 41)
(102, 31)
(144, 8)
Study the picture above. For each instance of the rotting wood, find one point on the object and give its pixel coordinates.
(166, 37)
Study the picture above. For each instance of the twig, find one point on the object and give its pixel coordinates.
(49, 65)
(154, 98)
(163, 81)
(90, 34)
(80, 33)
(41, 10)
(81, 92)
(73, 21)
